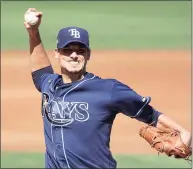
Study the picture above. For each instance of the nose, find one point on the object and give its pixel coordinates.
(74, 55)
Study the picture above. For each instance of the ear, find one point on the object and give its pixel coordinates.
(56, 54)
(88, 54)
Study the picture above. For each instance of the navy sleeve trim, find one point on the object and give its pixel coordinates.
(147, 101)
(36, 76)
(156, 115)
(41, 71)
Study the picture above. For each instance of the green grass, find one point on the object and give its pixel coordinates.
(118, 25)
(36, 160)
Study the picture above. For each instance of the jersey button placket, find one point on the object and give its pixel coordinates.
(56, 128)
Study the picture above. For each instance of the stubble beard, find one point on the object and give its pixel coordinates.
(79, 72)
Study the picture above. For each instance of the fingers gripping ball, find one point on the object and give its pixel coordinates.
(168, 143)
(31, 18)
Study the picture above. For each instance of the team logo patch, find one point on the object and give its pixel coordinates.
(62, 113)
(74, 33)
(143, 99)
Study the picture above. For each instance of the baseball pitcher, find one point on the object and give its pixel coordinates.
(78, 107)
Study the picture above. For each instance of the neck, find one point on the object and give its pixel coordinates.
(72, 77)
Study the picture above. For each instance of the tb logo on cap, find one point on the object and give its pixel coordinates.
(74, 33)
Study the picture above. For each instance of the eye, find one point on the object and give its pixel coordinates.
(81, 51)
(67, 51)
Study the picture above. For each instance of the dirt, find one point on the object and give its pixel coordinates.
(163, 75)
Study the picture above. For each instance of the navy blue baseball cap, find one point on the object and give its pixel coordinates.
(72, 34)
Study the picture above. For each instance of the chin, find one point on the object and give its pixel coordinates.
(75, 71)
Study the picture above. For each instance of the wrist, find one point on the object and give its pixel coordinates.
(34, 33)
(35, 38)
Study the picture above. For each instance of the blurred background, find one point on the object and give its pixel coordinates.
(146, 45)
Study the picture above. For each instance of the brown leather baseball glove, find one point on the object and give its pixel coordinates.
(168, 143)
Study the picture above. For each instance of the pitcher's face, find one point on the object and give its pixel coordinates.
(73, 58)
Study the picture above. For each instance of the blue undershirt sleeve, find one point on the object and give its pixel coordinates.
(127, 101)
(40, 75)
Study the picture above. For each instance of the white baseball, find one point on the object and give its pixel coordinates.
(31, 18)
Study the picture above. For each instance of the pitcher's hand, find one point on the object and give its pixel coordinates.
(33, 29)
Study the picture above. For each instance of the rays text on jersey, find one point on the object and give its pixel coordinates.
(62, 113)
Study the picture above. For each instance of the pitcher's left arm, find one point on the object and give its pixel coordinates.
(126, 100)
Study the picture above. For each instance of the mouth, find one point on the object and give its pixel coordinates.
(74, 62)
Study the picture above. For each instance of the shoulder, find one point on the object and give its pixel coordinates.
(50, 81)
(52, 77)
(108, 82)
(100, 79)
